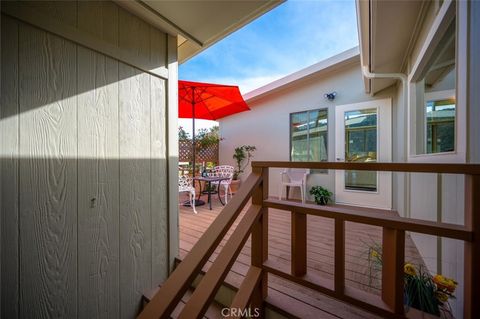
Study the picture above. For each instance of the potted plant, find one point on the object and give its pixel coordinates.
(322, 195)
(240, 154)
(423, 291)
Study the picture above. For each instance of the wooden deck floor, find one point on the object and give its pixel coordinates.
(306, 303)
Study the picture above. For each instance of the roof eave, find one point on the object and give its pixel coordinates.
(190, 45)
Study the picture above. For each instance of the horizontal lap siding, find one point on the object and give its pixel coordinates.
(83, 165)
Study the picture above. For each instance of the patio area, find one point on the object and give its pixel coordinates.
(297, 300)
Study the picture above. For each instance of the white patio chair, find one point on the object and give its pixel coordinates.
(293, 177)
(223, 171)
(185, 185)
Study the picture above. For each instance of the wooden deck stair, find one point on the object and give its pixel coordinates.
(213, 312)
(288, 300)
(284, 297)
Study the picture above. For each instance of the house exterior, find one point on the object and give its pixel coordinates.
(407, 94)
(89, 150)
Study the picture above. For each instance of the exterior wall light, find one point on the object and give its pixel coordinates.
(330, 96)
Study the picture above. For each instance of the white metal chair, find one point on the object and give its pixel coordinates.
(185, 185)
(294, 177)
(223, 171)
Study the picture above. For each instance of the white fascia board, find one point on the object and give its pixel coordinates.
(363, 22)
(327, 65)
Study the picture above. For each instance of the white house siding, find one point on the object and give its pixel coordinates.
(83, 160)
(267, 124)
(422, 196)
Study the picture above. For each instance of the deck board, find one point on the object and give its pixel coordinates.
(320, 258)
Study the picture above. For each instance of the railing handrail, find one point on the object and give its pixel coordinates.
(446, 168)
(208, 287)
(168, 296)
(375, 218)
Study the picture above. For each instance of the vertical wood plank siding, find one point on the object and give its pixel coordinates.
(135, 214)
(9, 148)
(98, 185)
(83, 162)
(48, 175)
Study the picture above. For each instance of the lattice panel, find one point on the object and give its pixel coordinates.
(208, 154)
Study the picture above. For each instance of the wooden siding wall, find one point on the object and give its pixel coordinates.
(83, 162)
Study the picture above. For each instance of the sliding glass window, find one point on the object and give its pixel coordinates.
(308, 136)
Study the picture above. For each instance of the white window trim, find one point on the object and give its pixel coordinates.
(308, 136)
(444, 17)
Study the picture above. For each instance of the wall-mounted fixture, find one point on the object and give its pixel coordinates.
(330, 96)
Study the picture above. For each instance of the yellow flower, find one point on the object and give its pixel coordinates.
(443, 297)
(445, 283)
(409, 269)
(374, 254)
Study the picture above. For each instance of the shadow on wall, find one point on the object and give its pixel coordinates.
(81, 238)
(83, 179)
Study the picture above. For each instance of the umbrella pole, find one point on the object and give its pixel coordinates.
(193, 143)
(198, 202)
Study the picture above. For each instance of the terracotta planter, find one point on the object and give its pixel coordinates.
(235, 185)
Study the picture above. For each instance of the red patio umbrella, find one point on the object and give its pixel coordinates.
(208, 101)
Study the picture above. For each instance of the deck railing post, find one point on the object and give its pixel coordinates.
(299, 243)
(472, 249)
(393, 259)
(339, 256)
(259, 242)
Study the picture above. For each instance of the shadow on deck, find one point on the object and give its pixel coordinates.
(301, 302)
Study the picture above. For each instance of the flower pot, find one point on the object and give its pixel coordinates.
(235, 185)
(321, 201)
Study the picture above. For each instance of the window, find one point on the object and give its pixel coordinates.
(308, 136)
(440, 126)
(361, 146)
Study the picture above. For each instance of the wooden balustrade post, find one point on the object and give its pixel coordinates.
(339, 256)
(393, 259)
(259, 242)
(299, 243)
(472, 249)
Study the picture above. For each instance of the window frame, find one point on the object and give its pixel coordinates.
(448, 11)
(308, 132)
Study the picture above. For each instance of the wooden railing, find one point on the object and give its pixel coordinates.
(253, 290)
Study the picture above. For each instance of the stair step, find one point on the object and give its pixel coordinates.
(213, 311)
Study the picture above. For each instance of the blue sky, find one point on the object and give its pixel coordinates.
(294, 35)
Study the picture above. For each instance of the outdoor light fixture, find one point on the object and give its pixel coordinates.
(330, 96)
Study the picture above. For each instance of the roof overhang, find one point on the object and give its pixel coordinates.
(387, 31)
(198, 24)
(321, 68)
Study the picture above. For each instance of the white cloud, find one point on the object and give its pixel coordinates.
(245, 84)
